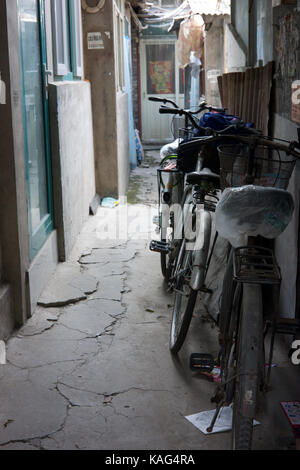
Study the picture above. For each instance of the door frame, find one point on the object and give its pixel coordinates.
(39, 237)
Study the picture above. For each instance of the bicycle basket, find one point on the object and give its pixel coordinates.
(271, 167)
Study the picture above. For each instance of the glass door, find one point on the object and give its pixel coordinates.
(35, 119)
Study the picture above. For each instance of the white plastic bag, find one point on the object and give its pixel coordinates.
(170, 149)
(253, 210)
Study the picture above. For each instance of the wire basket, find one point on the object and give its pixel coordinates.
(271, 167)
(186, 133)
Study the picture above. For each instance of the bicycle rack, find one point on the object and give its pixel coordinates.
(255, 265)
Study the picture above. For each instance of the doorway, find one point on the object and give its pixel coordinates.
(160, 76)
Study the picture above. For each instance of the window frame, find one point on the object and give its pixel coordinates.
(72, 66)
(76, 36)
(119, 44)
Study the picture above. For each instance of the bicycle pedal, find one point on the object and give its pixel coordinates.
(159, 247)
(206, 290)
(202, 362)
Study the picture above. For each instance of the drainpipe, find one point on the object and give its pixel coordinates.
(139, 86)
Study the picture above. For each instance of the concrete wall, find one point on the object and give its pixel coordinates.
(72, 159)
(100, 71)
(287, 244)
(110, 109)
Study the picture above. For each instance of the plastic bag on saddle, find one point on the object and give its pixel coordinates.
(170, 149)
(253, 210)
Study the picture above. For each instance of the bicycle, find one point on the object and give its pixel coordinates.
(171, 192)
(254, 177)
(187, 269)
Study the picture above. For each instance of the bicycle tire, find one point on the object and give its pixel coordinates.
(229, 360)
(180, 323)
(227, 298)
(249, 363)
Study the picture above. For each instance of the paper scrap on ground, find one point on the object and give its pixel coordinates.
(2, 353)
(223, 423)
(214, 375)
(292, 412)
(109, 202)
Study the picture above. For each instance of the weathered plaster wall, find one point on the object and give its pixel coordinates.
(100, 71)
(72, 159)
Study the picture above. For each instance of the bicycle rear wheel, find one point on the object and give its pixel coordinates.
(185, 299)
(249, 366)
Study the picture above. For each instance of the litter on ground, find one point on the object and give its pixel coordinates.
(109, 202)
(2, 353)
(223, 423)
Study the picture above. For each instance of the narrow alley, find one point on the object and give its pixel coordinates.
(92, 370)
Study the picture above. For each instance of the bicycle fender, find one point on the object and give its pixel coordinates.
(201, 248)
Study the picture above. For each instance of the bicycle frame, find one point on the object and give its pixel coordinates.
(202, 236)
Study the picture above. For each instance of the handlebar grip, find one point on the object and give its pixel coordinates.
(218, 110)
(163, 110)
(153, 98)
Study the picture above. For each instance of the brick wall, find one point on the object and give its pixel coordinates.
(135, 72)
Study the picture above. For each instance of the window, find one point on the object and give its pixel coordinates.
(67, 36)
(167, 3)
(119, 44)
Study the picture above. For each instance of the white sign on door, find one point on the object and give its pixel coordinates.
(95, 41)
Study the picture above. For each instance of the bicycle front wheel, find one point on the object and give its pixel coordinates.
(185, 300)
(249, 367)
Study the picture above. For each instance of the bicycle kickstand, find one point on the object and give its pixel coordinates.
(213, 422)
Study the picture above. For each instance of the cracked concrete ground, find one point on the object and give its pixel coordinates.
(92, 369)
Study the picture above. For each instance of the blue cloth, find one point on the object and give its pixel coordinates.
(128, 89)
(218, 122)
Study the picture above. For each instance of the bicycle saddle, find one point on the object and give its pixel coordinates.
(204, 175)
(253, 210)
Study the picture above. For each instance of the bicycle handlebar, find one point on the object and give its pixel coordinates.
(205, 107)
(180, 112)
(202, 107)
(255, 139)
(163, 100)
